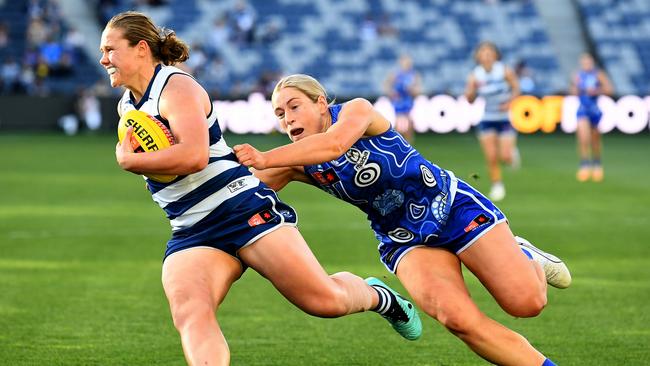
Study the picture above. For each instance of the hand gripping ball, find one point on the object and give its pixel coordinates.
(149, 134)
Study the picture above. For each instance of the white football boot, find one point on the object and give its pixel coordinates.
(497, 192)
(557, 273)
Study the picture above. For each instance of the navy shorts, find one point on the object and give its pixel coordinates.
(471, 216)
(499, 127)
(246, 223)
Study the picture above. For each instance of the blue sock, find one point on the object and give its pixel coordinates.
(595, 162)
(548, 362)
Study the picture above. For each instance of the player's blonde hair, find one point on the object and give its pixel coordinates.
(165, 46)
(305, 83)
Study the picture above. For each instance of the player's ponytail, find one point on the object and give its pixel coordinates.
(171, 48)
(165, 46)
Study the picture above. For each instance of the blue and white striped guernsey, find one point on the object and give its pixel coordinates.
(205, 195)
(494, 88)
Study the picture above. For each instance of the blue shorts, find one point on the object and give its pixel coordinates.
(499, 127)
(403, 106)
(471, 216)
(591, 112)
(246, 223)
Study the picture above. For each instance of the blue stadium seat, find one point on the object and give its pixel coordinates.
(615, 25)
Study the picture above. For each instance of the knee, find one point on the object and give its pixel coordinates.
(525, 304)
(330, 300)
(327, 303)
(187, 311)
(461, 321)
(506, 157)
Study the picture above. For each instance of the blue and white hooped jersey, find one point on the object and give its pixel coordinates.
(493, 87)
(406, 197)
(211, 192)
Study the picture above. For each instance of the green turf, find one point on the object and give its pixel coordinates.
(81, 245)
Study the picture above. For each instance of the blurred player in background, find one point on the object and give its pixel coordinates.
(223, 218)
(402, 87)
(588, 84)
(427, 220)
(497, 84)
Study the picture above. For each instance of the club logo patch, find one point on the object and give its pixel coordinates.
(479, 220)
(261, 218)
(357, 157)
(326, 177)
(388, 201)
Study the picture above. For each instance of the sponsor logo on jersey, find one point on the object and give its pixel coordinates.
(479, 220)
(261, 218)
(357, 157)
(326, 177)
(236, 185)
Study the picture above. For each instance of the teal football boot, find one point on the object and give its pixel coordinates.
(402, 315)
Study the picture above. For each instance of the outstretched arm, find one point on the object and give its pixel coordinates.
(354, 121)
(278, 178)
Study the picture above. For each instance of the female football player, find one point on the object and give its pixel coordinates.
(223, 218)
(402, 87)
(588, 84)
(497, 84)
(427, 220)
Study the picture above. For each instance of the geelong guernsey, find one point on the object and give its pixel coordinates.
(494, 89)
(213, 191)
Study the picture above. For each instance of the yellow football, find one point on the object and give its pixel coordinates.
(149, 134)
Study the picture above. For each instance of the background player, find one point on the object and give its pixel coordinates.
(223, 219)
(497, 84)
(402, 87)
(588, 84)
(428, 221)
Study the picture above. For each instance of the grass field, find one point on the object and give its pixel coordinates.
(81, 245)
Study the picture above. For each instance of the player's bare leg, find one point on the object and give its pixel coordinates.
(598, 173)
(517, 283)
(489, 144)
(508, 152)
(404, 126)
(284, 258)
(434, 279)
(583, 134)
(196, 281)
